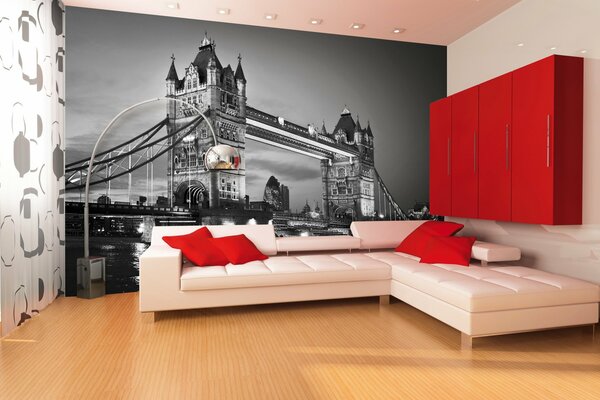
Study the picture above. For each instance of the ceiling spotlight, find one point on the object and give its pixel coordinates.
(173, 6)
(399, 30)
(357, 25)
(520, 44)
(223, 11)
(583, 51)
(553, 48)
(316, 21)
(270, 17)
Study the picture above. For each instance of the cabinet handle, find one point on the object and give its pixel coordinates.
(548, 140)
(506, 146)
(449, 155)
(475, 151)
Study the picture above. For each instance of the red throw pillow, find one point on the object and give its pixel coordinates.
(198, 248)
(204, 253)
(417, 240)
(177, 242)
(239, 249)
(448, 250)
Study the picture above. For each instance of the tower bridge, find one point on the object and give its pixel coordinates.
(351, 186)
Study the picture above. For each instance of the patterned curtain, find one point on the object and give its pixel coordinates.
(32, 110)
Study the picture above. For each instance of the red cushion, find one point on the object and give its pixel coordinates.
(177, 242)
(448, 250)
(239, 249)
(198, 248)
(204, 253)
(417, 240)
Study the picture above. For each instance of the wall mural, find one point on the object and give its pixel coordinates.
(32, 236)
(330, 129)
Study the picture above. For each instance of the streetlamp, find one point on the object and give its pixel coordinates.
(218, 157)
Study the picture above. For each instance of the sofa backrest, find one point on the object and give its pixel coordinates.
(382, 234)
(263, 236)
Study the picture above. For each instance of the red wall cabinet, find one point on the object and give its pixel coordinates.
(548, 141)
(440, 181)
(465, 120)
(495, 126)
(524, 161)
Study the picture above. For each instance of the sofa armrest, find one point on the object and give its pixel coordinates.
(160, 276)
(493, 252)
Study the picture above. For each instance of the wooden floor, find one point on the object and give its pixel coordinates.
(350, 349)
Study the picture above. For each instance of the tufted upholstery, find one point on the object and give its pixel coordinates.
(478, 289)
(284, 270)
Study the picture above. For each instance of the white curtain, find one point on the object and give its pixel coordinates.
(32, 109)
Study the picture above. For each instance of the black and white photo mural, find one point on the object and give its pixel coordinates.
(329, 129)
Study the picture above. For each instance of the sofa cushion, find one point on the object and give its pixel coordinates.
(448, 250)
(198, 247)
(317, 243)
(479, 289)
(417, 241)
(205, 253)
(179, 241)
(238, 249)
(285, 270)
(382, 234)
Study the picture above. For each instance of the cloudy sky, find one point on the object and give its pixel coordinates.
(117, 59)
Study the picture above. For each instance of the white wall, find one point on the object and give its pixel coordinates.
(492, 49)
(31, 158)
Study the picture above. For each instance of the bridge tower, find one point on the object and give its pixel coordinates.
(348, 182)
(220, 93)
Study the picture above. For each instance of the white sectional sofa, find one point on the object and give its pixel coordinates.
(477, 301)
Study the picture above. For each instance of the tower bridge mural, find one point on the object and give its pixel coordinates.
(305, 179)
(351, 187)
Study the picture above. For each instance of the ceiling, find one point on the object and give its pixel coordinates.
(426, 21)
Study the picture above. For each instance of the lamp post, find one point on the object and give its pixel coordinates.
(218, 157)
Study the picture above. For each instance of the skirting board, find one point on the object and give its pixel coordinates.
(497, 322)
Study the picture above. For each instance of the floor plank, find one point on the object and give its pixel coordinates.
(342, 349)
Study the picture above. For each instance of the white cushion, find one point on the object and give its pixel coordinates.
(478, 289)
(284, 270)
(494, 252)
(263, 236)
(317, 243)
(382, 234)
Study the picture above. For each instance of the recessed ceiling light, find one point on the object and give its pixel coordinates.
(356, 25)
(270, 17)
(583, 51)
(399, 30)
(316, 21)
(173, 6)
(520, 44)
(223, 11)
(553, 48)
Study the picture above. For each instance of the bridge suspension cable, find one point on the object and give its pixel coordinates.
(136, 147)
(395, 212)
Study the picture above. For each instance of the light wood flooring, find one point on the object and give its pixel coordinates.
(342, 349)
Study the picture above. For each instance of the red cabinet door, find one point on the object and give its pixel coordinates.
(440, 184)
(495, 120)
(532, 143)
(464, 153)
